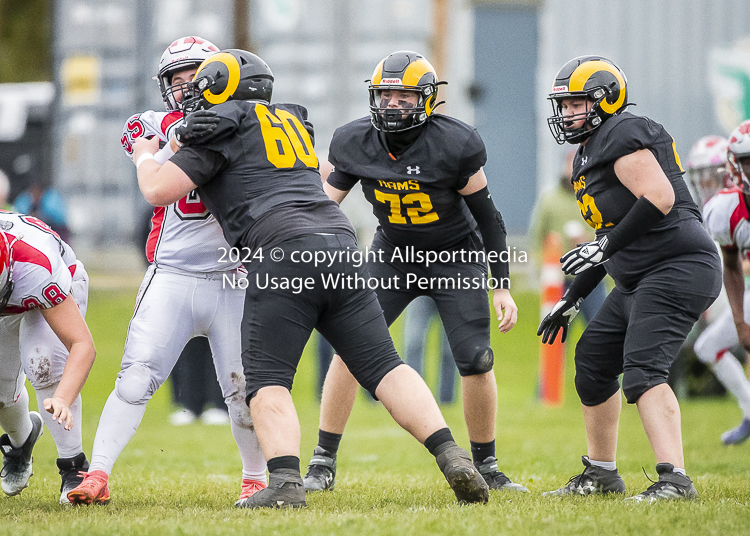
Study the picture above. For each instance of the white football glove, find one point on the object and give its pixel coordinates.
(585, 256)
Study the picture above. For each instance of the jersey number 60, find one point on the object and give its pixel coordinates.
(285, 138)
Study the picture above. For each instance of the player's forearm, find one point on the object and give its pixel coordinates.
(76, 372)
(492, 227)
(148, 183)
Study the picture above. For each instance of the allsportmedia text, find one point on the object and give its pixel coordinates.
(340, 281)
(408, 255)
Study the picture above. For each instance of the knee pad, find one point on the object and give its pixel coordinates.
(635, 382)
(480, 364)
(133, 384)
(593, 392)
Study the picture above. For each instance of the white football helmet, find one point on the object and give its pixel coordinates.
(186, 52)
(707, 167)
(739, 155)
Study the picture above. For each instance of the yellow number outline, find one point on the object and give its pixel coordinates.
(285, 138)
(417, 214)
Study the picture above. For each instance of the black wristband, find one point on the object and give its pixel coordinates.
(492, 227)
(639, 220)
(585, 282)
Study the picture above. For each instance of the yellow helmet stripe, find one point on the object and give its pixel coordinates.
(377, 76)
(234, 77)
(415, 71)
(583, 72)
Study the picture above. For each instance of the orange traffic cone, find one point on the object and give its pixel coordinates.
(552, 356)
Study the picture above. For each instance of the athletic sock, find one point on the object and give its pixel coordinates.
(15, 420)
(437, 439)
(731, 374)
(283, 462)
(482, 451)
(329, 441)
(117, 425)
(679, 471)
(69, 443)
(609, 466)
(253, 461)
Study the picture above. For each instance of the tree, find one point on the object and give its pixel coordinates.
(25, 40)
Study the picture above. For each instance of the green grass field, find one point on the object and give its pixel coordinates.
(184, 480)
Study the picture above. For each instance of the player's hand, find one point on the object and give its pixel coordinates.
(743, 332)
(505, 308)
(60, 411)
(142, 146)
(196, 125)
(559, 318)
(585, 256)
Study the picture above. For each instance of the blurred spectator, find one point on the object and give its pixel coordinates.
(557, 211)
(47, 204)
(4, 192)
(419, 316)
(195, 387)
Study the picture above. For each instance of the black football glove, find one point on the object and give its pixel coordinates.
(196, 125)
(560, 317)
(585, 256)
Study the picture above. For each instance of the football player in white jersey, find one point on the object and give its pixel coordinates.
(43, 297)
(726, 217)
(183, 295)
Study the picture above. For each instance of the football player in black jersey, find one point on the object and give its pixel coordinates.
(423, 175)
(255, 169)
(628, 182)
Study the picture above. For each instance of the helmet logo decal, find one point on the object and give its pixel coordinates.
(558, 89)
(234, 77)
(391, 81)
(581, 76)
(414, 169)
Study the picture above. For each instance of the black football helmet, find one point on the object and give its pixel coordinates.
(403, 71)
(231, 74)
(594, 78)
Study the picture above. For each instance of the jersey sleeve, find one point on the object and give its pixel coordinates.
(45, 281)
(149, 124)
(200, 164)
(473, 157)
(725, 217)
(341, 180)
(230, 117)
(628, 136)
(337, 156)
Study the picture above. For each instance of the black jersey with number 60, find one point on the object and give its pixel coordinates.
(415, 196)
(258, 175)
(604, 200)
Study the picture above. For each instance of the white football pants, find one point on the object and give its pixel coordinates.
(172, 307)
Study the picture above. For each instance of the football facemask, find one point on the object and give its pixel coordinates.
(402, 71)
(184, 53)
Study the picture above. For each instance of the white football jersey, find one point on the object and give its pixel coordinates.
(183, 235)
(726, 219)
(43, 264)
